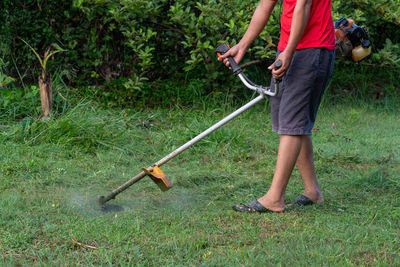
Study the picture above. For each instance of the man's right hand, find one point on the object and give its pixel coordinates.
(237, 52)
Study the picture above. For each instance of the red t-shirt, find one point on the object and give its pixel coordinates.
(319, 31)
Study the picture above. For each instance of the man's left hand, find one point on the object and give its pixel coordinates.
(286, 58)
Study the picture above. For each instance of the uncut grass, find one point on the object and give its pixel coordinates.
(50, 179)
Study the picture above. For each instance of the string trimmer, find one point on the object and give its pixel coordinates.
(154, 171)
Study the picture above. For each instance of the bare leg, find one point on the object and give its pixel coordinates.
(289, 149)
(305, 164)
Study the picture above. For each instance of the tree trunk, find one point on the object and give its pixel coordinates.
(46, 94)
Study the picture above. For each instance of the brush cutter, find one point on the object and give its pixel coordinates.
(154, 171)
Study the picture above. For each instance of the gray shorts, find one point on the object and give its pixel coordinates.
(294, 109)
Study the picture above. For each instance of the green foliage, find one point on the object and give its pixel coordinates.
(125, 47)
(163, 35)
(50, 51)
(170, 38)
(389, 55)
(360, 82)
(17, 103)
(72, 129)
(160, 93)
(40, 23)
(5, 80)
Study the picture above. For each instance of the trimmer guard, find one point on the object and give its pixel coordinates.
(159, 177)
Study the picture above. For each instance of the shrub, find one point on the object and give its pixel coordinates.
(126, 46)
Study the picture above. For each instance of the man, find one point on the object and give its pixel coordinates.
(306, 50)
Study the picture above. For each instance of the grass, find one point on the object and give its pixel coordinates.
(51, 173)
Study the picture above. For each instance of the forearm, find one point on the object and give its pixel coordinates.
(300, 18)
(259, 20)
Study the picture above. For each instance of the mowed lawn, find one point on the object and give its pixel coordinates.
(51, 173)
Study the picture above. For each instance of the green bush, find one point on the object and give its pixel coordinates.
(175, 36)
(127, 48)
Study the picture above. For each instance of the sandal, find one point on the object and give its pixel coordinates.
(302, 200)
(253, 206)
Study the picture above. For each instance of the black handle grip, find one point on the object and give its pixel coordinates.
(278, 64)
(222, 49)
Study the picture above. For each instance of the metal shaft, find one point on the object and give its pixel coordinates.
(182, 148)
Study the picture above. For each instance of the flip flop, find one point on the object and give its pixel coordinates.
(302, 200)
(253, 206)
